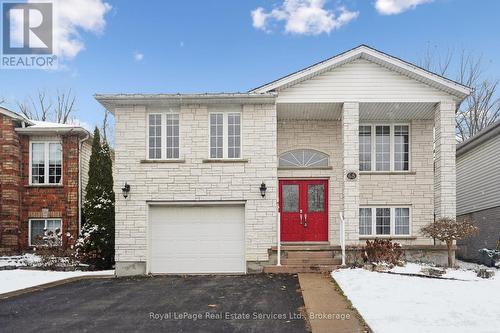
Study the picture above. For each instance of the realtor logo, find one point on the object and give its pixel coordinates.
(27, 35)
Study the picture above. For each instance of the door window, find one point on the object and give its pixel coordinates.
(315, 197)
(290, 197)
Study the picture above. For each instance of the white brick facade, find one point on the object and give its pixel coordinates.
(195, 180)
(320, 108)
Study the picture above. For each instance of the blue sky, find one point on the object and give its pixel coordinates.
(214, 45)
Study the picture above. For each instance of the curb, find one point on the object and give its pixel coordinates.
(44, 286)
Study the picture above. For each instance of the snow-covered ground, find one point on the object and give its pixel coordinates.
(396, 303)
(16, 279)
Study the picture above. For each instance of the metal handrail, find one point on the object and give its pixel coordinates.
(342, 237)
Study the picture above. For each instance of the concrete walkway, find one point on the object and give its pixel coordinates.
(327, 309)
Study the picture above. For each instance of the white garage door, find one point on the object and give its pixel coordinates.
(197, 239)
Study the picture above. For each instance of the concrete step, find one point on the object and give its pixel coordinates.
(306, 247)
(290, 269)
(313, 261)
(308, 254)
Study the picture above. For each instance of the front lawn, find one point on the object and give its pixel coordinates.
(396, 303)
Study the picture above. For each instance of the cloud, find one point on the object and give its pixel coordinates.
(391, 7)
(138, 56)
(303, 17)
(71, 18)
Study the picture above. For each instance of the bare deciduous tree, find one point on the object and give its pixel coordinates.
(42, 108)
(482, 107)
(448, 230)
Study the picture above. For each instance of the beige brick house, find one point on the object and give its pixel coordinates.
(218, 181)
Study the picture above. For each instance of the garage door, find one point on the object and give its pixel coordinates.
(197, 239)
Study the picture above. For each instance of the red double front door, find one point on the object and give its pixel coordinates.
(303, 210)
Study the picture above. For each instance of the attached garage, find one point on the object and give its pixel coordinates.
(197, 239)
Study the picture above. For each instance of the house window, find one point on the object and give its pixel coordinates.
(225, 135)
(365, 148)
(155, 136)
(46, 163)
(233, 135)
(40, 229)
(163, 136)
(303, 158)
(172, 123)
(401, 147)
(402, 221)
(384, 147)
(384, 221)
(365, 221)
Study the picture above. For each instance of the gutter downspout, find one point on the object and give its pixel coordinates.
(278, 263)
(80, 145)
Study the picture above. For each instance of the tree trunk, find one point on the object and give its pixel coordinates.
(449, 244)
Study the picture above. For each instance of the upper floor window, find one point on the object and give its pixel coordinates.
(163, 136)
(384, 147)
(303, 158)
(45, 163)
(225, 134)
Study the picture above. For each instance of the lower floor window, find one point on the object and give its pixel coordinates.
(45, 232)
(384, 221)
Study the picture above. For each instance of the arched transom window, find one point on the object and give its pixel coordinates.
(304, 158)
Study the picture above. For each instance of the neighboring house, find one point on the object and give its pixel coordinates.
(351, 135)
(478, 189)
(43, 172)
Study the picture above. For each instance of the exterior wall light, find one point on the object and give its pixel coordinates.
(263, 189)
(125, 190)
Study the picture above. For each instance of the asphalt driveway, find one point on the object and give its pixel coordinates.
(249, 303)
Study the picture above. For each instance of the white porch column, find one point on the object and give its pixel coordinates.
(350, 140)
(444, 164)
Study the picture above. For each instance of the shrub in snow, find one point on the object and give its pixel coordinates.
(52, 256)
(489, 258)
(96, 245)
(382, 251)
(448, 230)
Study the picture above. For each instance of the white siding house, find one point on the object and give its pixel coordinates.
(217, 181)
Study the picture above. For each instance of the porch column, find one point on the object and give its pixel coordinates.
(444, 163)
(350, 140)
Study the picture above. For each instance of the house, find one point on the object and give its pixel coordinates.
(215, 182)
(478, 189)
(43, 172)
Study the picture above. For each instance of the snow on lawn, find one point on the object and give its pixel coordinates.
(16, 279)
(396, 303)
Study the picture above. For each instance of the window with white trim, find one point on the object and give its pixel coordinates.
(384, 221)
(45, 163)
(384, 147)
(163, 136)
(40, 229)
(225, 135)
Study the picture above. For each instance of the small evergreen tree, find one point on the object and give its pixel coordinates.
(96, 246)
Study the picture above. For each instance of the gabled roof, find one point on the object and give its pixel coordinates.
(14, 115)
(365, 52)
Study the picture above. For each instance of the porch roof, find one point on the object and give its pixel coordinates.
(367, 111)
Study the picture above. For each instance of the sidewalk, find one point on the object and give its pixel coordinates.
(327, 309)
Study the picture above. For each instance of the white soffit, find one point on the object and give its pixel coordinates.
(309, 111)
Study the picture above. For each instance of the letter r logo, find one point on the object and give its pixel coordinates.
(27, 28)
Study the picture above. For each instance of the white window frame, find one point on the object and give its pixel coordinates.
(45, 227)
(392, 147)
(225, 135)
(163, 152)
(392, 233)
(46, 159)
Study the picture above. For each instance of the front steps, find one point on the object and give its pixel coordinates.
(304, 259)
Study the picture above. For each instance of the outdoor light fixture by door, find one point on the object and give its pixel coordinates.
(125, 190)
(263, 189)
